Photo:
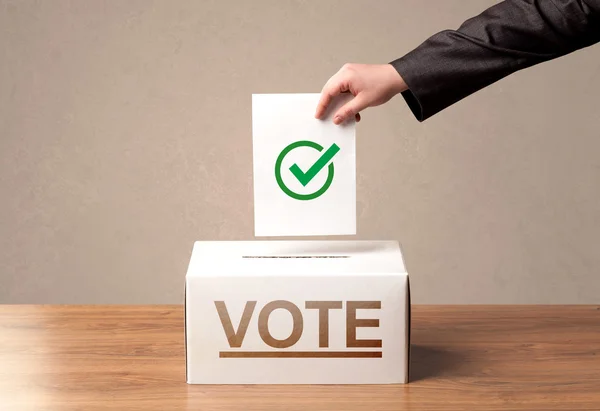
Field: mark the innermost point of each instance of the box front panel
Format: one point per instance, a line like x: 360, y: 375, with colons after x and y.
x: 302, y: 330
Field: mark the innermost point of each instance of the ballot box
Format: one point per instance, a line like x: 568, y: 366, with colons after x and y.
x: 297, y: 312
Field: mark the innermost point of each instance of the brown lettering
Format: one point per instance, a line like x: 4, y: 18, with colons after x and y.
x: 323, y: 307
x: 352, y: 323
x: 235, y: 338
x: 263, y: 324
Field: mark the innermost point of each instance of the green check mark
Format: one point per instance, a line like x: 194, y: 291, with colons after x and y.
x: 305, y: 178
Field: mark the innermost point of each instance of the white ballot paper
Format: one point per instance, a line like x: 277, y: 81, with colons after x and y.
x: 304, y: 168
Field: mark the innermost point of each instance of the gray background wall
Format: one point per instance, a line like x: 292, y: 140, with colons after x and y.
x: 126, y: 135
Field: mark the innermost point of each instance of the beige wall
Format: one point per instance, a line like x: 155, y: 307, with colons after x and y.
x: 126, y: 135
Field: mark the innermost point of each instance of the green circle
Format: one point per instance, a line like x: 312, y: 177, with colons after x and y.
x: 302, y: 143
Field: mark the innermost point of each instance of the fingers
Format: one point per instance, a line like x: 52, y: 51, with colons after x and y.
x: 340, y: 83
x: 331, y: 89
x: 351, y: 109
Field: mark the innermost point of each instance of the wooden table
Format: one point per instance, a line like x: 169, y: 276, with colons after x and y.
x: 463, y: 358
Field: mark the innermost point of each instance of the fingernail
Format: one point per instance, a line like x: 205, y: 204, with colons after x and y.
x: 337, y: 119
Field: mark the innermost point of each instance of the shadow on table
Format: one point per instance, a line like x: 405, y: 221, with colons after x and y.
x: 428, y: 362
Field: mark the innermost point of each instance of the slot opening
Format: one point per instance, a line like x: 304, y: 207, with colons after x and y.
x: 295, y: 256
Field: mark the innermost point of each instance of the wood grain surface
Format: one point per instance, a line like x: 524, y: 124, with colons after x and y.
x: 463, y: 358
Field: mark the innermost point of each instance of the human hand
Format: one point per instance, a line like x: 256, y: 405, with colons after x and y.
x: 370, y: 84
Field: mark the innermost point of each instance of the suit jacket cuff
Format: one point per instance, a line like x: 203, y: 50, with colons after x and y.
x: 418, y: 96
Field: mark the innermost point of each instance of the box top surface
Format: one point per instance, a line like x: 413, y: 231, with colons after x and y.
x: 210, y: 258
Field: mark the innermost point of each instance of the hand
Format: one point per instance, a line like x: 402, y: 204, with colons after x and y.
x: 370, y: 84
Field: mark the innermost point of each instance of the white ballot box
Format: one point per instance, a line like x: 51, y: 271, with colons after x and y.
x: 297, y: 312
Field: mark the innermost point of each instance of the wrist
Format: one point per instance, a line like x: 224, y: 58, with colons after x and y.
x: 396, y: 81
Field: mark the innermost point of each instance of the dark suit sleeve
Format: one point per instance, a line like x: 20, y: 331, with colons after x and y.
x: 509, y: 36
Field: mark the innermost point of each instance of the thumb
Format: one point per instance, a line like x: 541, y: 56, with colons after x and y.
x: 351, y: 108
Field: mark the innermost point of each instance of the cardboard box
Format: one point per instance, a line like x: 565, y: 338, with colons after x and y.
x: 297, y: 312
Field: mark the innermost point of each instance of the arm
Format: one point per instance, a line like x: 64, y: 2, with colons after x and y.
x: 507, y: 37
